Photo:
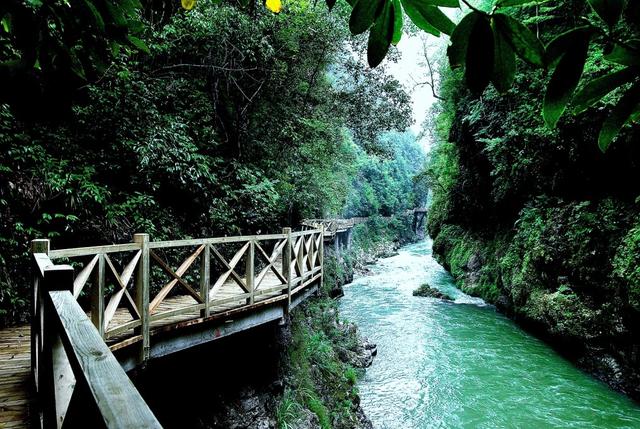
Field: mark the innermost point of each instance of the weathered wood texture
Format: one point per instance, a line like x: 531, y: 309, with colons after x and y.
x: 68, y: 355
x: 16, y: 391
x: 94, y: 366
x: 131, y: 293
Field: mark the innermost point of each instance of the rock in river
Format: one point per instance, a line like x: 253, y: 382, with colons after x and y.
x: 431, y: 292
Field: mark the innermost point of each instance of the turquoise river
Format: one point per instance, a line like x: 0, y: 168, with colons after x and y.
x: 461, y: 364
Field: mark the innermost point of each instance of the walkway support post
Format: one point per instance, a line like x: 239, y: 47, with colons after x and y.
x: 97, y: 296
x: 142, y: 294
x: 52, y: 372
x: 250, y: 271
x: 286, y: 265
x: 321, y: 256
x: 37, y: 311
x: 205, y: 278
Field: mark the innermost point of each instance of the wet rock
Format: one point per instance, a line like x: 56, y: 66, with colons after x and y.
x: 368, y: 345
x: 360, y: 358
x: 336, y: 292
x: 430, y: 292
x: 474, y: 263
x: 363, y: 420
x: 503, y: 303
x: 250, y: 410
x: 283, y: 334
x: 361, y: 352
x: 306, y: 420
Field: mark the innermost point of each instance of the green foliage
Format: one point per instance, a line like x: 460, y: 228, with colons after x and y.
x: 234, y: 123
x: 323, y: 384
x: 627, y: 265
x: 486, y: 44
x: 538, y: 220
x: 287, y: 410
x: 50, y: 48
x: 381, y: 34
x: 384, y: 185
x: 566, y: 75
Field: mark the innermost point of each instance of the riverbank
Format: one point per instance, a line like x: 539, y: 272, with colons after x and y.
x: 326, y: 354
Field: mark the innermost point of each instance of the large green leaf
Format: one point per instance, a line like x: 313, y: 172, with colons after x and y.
x: 508, y: 3
x: 397, y: 25
x: 522, y: 40
x: 564, y: 81
x: 626, y: 55
x: 444, y: 3
x: 598, y: 88
x: 504, y: 62
x: 609, y: 10
x: 562, y: 43
x: 428, y: 17
x: 479, y: 57
x: 381, y: 35
x: 138, y: 44
x: 621, y: 114
x: 363, y: 15
x: 457, y: 51
x: 115, y: 11
x: 97, y: 18
x: 438, y: 19
x: 418, y: 19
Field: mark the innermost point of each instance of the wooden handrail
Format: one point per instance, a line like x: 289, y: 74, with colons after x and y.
x: 94, y: 366
x: 265, y: 274
x: 68, y: 346
x: 68, y: 353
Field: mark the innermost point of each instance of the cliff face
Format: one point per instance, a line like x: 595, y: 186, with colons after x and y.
x: 555, y: 248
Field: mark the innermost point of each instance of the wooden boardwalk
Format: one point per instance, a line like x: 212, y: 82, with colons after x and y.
x: 15, y: 375
x: 140, y: 305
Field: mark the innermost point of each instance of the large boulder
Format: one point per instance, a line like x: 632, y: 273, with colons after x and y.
x: 430, y: 292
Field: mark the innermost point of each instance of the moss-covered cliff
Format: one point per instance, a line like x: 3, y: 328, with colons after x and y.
x: 539, y: 221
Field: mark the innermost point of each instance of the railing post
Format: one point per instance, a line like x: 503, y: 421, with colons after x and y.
x: 37, y: 310
x: 250, y: 271
x: 97, y: 297
x: 321, y: 256
x: 312, y: 251
x: 205, y: 278
x: 55, y: 376
x: 300, y: 257
x: 286, y: 265
x: 142, y: 293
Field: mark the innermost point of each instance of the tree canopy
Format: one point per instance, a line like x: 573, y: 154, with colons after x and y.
x: 486, y: 44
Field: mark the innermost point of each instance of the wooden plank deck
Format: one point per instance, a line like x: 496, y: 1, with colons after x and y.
x: 15, y: 376
x: 227, y: 292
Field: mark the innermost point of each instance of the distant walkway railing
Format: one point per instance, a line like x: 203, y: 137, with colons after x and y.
x: 118, y: 298
x: 333, y: 226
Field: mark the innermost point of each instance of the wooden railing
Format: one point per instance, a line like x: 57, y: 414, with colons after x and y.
x: 74, y: 370
x: 115, y: 296
x: 332, y: 226
x: 232, y: 272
